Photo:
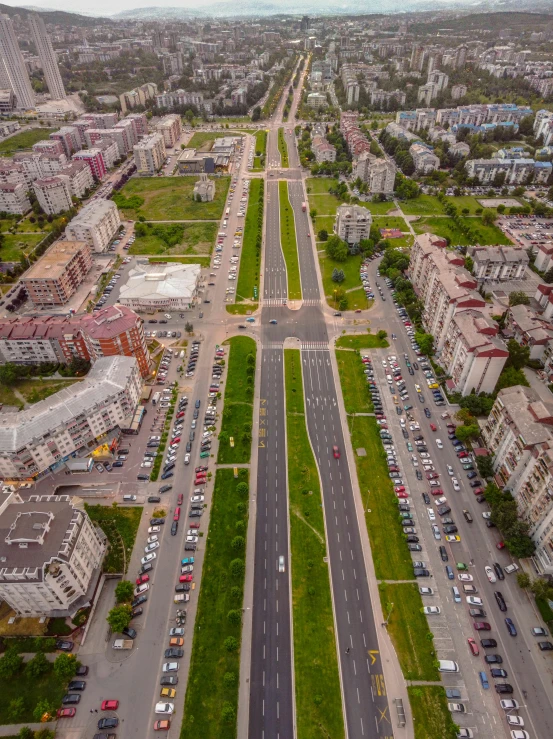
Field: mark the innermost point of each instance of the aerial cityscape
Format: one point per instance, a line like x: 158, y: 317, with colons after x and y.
x: 276, y: 370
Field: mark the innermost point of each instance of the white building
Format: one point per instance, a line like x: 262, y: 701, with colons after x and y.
x: 378, y: 173
x: 497, y: 263
x: 47, y: 57
x: 353, y: 223
x: 13, y: 72
x: 53, y: 194
x: 96, y: 224
x: 50, y: 554
x: 72, y: 422
x: 152, y: 287
x: 458, y: 92
x: 80, y: 178
x: 149, y: 155
x: 204, y: 189
x: 13, y: 198
x: 424, y: 160
x: 316, y: 100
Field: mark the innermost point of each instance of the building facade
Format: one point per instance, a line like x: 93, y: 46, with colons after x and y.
x: 13, y: 198
x: 149, y: 155
x: 47, y: 56
x: 96, y: 224
x: 353, y: 223
x: 53, y: 194
x: 56, y: 276
x: 13, y: 72
x: 170, y: 128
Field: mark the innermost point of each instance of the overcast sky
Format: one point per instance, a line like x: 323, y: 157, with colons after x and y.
x: 96, y: 7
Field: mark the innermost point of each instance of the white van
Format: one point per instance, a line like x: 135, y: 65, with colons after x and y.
x: 447, y: 665
x: 129, y: 498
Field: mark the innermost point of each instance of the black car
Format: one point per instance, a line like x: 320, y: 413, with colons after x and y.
x: 418, y: 473
x: 108, y: 723
x: 443, y: 554
x: 414, y: 547
x: 143, y: 478
x: 165, y: 488
x: 426, y: 498
x: 64, y: 645
x: 443, y: 509
x: 450, y: 529
x: 130, y: 633
x: 421, y: 572
x: 71, y: 699
x: 137, y: 612
x: 169, y: 680
x: 452, y: 693
x: 498, y: 672
x: 154, y: 499
x: 82, y: 670
x: 174, y: 528
x: 545, y: 646
x: 174, y: 652
x: 493, y: 659
x: 157, y: 521
x: 503, y: 688
x: 182, y: 587
x: 498, y: 571
x: 76, y: 685
x: 500, y: 601
x: 139, y: 601
x: 488, y: 643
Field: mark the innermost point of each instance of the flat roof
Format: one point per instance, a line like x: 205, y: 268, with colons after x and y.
x: 53, y: 263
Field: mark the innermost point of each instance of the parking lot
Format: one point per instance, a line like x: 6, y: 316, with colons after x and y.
x: 529, y: 232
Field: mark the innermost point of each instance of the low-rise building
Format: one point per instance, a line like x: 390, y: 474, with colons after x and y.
x: 529, y: 329
x: 149, y: 155
x: 70, y: 423
x: 353, y: 223
x: 511, y: 171
x: 204, y: 189
x: 498, y: 263
x: 56, y: 276
x: 53, y: 194
x: 51, y: 555
x: 170, y: 127
x: 316, y: 100
x: 13, y: 198
x: 96, y: 224
x: 167, y: 286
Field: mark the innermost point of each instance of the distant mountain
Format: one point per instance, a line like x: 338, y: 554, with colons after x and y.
x: 154, y: 13
x: 58, y: 17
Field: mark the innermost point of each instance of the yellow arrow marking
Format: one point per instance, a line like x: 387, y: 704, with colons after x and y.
x: 372, y: 655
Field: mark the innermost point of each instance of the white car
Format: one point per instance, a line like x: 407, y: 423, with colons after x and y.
x: 187, y: 458
x: 474, y: 601
x: 519, y: 734
x: 146, y: 463
x: 431, y: 514
x: 424, y: 455
x: 465, y: 577
x: 165, y: 709
x: 170, y: 667
x: 450, y: 471
x: 509, y: 704
x: 515, y: 720
x: 487, y: 515
x: 431, y: 610
x: 148, y: 558
x: 191, y: 539
x: 154, y: 529
x: 455, y: 484
x: 141, y: 589
x: 426, y: 591
x: 490, y: 574
x: 152, y: 538
x: 151, y: 547
x: 439, y: 444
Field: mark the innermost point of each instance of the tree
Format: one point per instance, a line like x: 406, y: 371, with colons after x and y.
x: 10, y: 663
x: 338, y: 275
x: 517, y: 297
x: 16, y: 709
x: 541, y: 588
x: 189, y: 328
x: 510, y: 377
x: 313, y: 213
x: 43, y: 708
x: 425, y: 342
x: 381, y: 335
x: 25, y: 732
x: 336, y: 249
x: 518, y: 355
x: 119, y: 618
x: 124, y: 591
x: 467, y: 432
x: 323, y: 234
x: 488, y: 217
x: 485, y: 466
x: 469, y: 264
x: 523, y: 580
x: 65, y: 666
x: 38, y: 666
x: 8, y: 374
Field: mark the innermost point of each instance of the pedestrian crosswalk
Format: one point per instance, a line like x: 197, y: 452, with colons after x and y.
x: 312, y: 301
x: 314, y: 345
x: 268, y: 302
x: 273, y: 345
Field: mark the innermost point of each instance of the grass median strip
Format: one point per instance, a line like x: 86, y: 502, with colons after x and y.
x: 431, y: 716
x: 260, y: 150
x: 354, y: 383
x: 211, y: 702
x: 318, y: 698
x: 283, y: 149
x: 235, y: 437
x: 250, y: 259
x: 289, y: 244
x: 362, y: 341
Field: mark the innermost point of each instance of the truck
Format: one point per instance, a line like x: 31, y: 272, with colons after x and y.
x: 304, y: 207
x: 156, y: 398
x: 122, y: 644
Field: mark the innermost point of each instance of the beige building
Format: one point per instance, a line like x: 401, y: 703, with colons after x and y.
x: 170, y: 127
x: 13, y: 198
x: 53, y: 194
x: 378, y: 173
x: 56, y: 276
x: 353, y: 223
x: 96, y: 224
x: 204, y: 189
x: 50, y: 555
x: 149, y: 155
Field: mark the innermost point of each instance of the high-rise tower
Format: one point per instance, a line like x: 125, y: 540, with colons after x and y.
x: 14, y: 67
x: 47, y: 57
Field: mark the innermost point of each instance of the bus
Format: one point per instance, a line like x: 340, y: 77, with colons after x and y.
x: 156, y: 398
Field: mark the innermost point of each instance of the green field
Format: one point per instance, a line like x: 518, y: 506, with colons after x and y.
x: 323, y: 223
x: 283, y: 149
x: 318, y: 699
x: 288, y: 242
x: 197, y: 238
x: 424, y: 205
x: 24, y: 140
x: 380, y: 209
x: 361, y: 341
x: 250, y: 257
x: 203, y: 138
x: 319, y: 185
x: 354, y: 384
x: 447, y: 229
x: 238, y: 408
x: 431, y: 716
x: 15, y: 245
x: 211, y: 700
x: 45, y: 688
x: 391, y: 222
x: 170, y: 199
x: 261, y: 147
x: 351, y: 271
x: 120, y: 525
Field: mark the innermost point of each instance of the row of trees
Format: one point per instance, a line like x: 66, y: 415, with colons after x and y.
x: 505, y: 516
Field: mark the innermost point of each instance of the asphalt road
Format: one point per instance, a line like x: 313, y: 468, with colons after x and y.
x: 275, y: 288
x: 529, y: 670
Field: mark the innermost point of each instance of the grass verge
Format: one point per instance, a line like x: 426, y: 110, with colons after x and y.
x: 318, y: 698
x: 120, y: 526
x: 260, y: 150
x: 24, y: 140
x: 283, y: 149
x: 241, y: 309
x: 238, y: 409
x: 431, y: 716
x: 250, y: 259
x: 408, y: 628
x: 289, y: 244
x: 361, y: 341
x: 350, y: 269
x: 354, y: 384
x: 211, y: 700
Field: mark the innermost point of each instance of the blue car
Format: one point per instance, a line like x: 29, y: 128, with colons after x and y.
x: 511, y: 627
x: 449, y: 572
x: 484, y: 680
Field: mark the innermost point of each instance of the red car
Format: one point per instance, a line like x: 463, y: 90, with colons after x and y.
x: 358, y: 310
x: 180, y: 414
x: 186, y: 578
x: 142, y: 579
x: 111, y: 705
x: 66, y: 712
x: 500, y: 545
x: 201, y: 474
x: 462, y: 455
x: 431, y: 475
x: 336, y: 452
x: 194, y: 525
x: 434, y: 428
x: 473, y: 646
x: 200, y: 469
x: 482, y: 626
x: 402, y: 495
x: 176, y: 441
x: 477, y: 491
x: 179, y: 499
x: 437, y: 491
x: 400, y: 489
x: 176, y: 516
x: 162, y: 725
x: 199, y: 481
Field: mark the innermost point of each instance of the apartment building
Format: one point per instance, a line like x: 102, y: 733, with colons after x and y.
x: 416, y: 120
x: 110, y: 152
x: 13, y: 198
x: 49, y: 146
x: 101, y: 120
x: 112, y: 331
x: 529, y: 329
x: 149, y: 155
x: 316, y: 100
x: 96, y: 136
x: 324, y: 151
x: 39, y: 166
x: 353, y: 223
x: 170, y: 128
x: 384, y: 98
x: 458, y: 92
x: 437, y: 82
x: 80, y: 178
x: 47, y: 56
x: 56, y: 276
x: 53, y: 194
x: 139, y: 123
x: 96, y: 224
x: 513, y: 171
x: 71, y: 422
x: 378, y: 173
x: 138, y: 96
x: 498, y: 263
x: 51, y: 555
x: 12, y: 172
x: 14, y: 72
x: 94, y: 158
x: 178, y: 98
x: 70, y: 139
x: 423, y: 158
x: 132, y: 127
x: 519, y: 433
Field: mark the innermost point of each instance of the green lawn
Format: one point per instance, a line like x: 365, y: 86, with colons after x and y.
x: 202, y: 261
x: 120, y: 525
x: 324, y: 223
x: 354, y: 384
x: 211, y: 700
x: 36, y: 390
x: 392, y: 560
x: 241, y: 309
x: 202, y: 138
x: 431, y: 716
x: 408, y: 629
x: 325, y: 204
x: 319, y: 185
x: 197, y: 238
x: 423, y: 205
x: 391, y: 222
x: 261, y: 147
x: 8, y: 397
x: 14, y: 245
x: 289, y: 244
x: 170, y: 199
x: 379, y: 209
x: 361, y: 341
x: 45, y: 688
x: 283, y: 149
x: 465, y: 201
x: 447, y: 228
x: 250, y: 257
x: 238, y: 408
x: 24, y: 140
x: 358, y: 299
x: 318, y: 698
x: 351, y: 271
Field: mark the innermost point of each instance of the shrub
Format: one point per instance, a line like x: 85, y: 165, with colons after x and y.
x: 234, y: 617
x: 236, y: 569
x: 231, y: 644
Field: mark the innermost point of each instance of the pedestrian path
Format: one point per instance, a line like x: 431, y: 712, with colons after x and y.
x: 14, y: 729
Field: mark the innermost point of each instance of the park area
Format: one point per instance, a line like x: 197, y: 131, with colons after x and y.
x: 174, y: 238
x: 24, y: 140
x: 169, y: 199
x: 485, y: 235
